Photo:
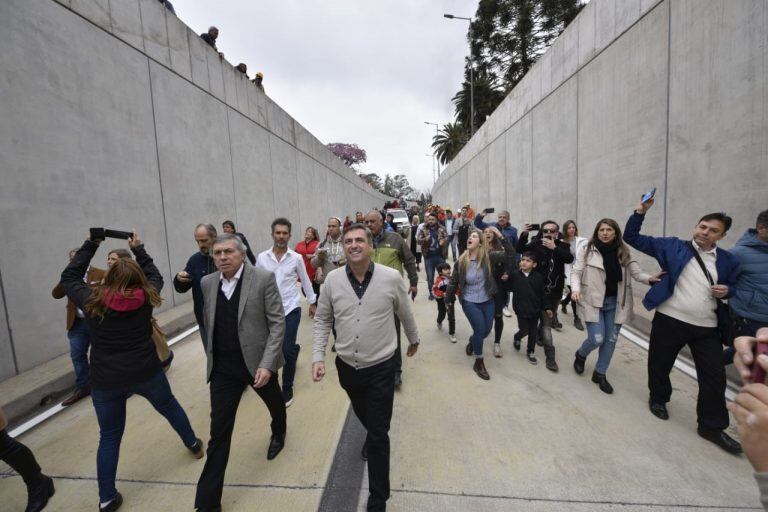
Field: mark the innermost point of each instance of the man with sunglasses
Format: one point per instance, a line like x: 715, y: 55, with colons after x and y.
x: 551, y: 256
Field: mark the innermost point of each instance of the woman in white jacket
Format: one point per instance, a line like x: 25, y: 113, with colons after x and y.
x: 571, y: 236
x: 601, y: 288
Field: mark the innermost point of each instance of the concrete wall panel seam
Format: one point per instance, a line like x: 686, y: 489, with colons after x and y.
x: 8, y: 324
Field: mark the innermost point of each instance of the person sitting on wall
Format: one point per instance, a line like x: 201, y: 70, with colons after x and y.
x: 210, y: 38
x: 258, y: 81
x: 242, y: 68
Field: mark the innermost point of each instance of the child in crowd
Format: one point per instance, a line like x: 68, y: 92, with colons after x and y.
x: 438, y: 290
x: 527, y: 289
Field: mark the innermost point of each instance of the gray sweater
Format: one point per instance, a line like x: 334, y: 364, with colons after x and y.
x: 365, y: 327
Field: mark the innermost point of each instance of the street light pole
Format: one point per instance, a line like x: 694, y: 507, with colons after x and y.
x: 434, y: 180
x: 471, y: 74
x: 437, y: 132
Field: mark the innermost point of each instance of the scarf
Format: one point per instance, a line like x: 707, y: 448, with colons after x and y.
x: 611, y: 264
x: 119, y: 302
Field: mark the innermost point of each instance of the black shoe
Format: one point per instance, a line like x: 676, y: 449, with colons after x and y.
x: 516, y: 344
x: 564, y: 308
x: 276, y: 443
x: 197, y: 449
x: 721, y: 439
x: 398, y: 379
x: 578, y: 363
x: 364, y: 451
x: 431, y: 297
x: 113, y: 505
x: 288, y: 396
x: 556, y: 325
x: 217, y: 508
x: 601, y: 381
x: 469, y: 350
x: 165, y: 365
x: 658, y: 410
x: 39, y: 493
x: 577, y: 324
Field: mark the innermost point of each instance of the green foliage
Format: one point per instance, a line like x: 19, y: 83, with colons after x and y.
x: 449, y: 141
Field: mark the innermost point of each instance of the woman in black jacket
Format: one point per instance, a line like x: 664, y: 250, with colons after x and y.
x: 123, y: 360
x: 503, y: 253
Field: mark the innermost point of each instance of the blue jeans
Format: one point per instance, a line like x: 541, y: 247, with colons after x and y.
x: 79, y: 341
x: 430, y: 263
x: 110, y: 412
x: 602, y: 335
x: 290, y: 347
x: 480, y: 316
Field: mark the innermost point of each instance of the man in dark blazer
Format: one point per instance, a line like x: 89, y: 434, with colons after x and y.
x: 244, y: 321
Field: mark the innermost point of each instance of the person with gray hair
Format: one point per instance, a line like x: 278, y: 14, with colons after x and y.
x: 210, y: 36
x: 198, y: 266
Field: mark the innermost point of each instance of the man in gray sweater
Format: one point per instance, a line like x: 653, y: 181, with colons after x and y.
x: 362, y: 297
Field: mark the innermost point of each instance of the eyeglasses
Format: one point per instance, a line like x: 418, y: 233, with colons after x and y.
x: 549, y: 231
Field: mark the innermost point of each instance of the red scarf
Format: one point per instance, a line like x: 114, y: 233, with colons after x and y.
x: 119, y: 302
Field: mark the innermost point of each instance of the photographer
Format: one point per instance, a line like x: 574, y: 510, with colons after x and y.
x: 551, y: 256
x: 118, y: 315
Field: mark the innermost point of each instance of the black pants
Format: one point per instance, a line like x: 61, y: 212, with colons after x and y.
x: 499, y: 303
x: 398, y: 354
x: 19, y: 457
x: 226, y: 390
x: 372, y: 391
x: 528, y: 327
x: 444, y: 310
x: 668, y: 337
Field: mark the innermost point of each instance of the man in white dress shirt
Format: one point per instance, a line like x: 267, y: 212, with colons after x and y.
x: 288, y: 267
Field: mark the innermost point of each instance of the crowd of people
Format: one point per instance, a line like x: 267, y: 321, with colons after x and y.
x: 248, y: 309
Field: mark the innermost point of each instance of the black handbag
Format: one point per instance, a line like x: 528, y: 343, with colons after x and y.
x: 726, y: 320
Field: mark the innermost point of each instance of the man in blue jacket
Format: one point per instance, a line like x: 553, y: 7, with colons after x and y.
x: 750, y: 300
x: 198, y: 266
x: 685, y: 315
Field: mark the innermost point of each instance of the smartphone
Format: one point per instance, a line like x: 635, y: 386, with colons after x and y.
x: 648, y: 195
x: 490, y: 210
x: 758, y: 374
x: 534, y: 227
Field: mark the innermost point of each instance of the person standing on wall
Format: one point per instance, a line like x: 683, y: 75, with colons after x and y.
x: 685, y: 304
x: 601, y: 288
x: 124, y: 362
x: 229, y: 227
x: 390, y: 250
x: 198, y: 266
x: 78, y: 334
x: 572, y: 238
x: 245, y: 320
x: 366, y: 350
x: 289, y: 269
x: 306, y: 249
x: 551, y: 256
x: 433, y: 240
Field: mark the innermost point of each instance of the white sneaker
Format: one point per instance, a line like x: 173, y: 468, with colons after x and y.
x: 507, y: 312
x: 497, y: 349
x: 452, y: 338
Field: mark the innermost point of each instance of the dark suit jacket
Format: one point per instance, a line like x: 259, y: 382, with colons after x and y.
x: 260, y: 317
x: 95, y: 276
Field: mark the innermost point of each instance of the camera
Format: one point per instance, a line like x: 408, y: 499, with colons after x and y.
x: 99, y: 234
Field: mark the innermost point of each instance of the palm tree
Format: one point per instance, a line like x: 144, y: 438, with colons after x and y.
x: 449, y: 141
x: 488, y: 96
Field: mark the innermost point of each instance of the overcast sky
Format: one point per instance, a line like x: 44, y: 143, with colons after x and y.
x: 353, y: 71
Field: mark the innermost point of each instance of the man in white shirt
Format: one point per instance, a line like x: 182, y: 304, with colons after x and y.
x: 288, y: 267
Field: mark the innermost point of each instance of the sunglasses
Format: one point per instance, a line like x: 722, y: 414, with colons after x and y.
x: 549, y: 231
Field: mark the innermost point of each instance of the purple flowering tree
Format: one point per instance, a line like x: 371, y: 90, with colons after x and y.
x: 350, y: 154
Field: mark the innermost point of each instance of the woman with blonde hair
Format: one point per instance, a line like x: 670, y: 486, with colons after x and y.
x: 473, y: 274
x: 118, y: 314
x: 601, y: 288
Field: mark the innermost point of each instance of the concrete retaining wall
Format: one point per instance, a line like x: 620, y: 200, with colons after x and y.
x: 634, y: 94
x: 116, y: 114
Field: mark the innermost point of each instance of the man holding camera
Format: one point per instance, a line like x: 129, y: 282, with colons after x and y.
x: 198, y: 266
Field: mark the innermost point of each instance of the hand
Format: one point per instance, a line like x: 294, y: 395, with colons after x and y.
x: 496, y: 231
x: 312, y: 310
x: 751, y: 412
x: 134, y: 241
x: 576, y: 297
x: 412, y: 348
x: 548, y: 243
x: 504, y: 276
x: 262, y: 377
x: 549, y: 313
x: 719, y: 290
x: 744, y: 356
x: 644, y: 207
x: 414, y: 290
x: 318, y: 371
x: 526, y: 228
x: 655, y: 278
x: 183, y: 277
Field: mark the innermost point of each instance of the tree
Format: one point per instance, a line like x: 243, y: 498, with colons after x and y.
x: 449, y: 141
x: 350, y: 154
x: 487, y: 96
x: 508, y: 36
x: 397, y: 186
x: 372, y: 179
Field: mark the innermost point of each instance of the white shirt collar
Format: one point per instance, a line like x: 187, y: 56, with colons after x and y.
x: 698, y: 248
x: 235, y: 277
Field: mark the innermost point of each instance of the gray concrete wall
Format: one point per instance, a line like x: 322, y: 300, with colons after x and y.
x: 634, y: 94
x: 117, y: 114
